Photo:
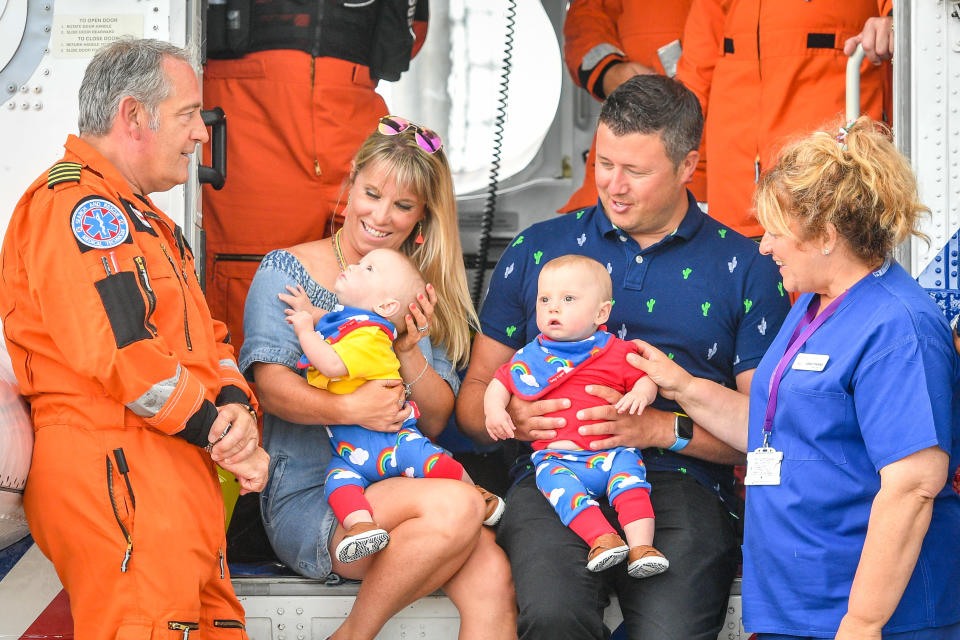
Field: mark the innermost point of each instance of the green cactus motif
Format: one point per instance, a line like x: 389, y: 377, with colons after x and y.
x: 519, y: 240
x: 511, y: 330
x: 722, y: 232
x: 650, y: 304
x: 612, y: 302
x: 580, y: 213
x: 747, y: 305
x: 705, y: 307
x: 536, y: 256
x: 686, y: 272
x: 780, y: 288
x: 670, y: 355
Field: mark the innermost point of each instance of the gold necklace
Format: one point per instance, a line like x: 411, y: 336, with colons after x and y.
x: 336, y: 250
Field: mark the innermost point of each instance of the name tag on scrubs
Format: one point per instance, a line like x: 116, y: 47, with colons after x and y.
x: 810, y: 362
x: 763, y: 467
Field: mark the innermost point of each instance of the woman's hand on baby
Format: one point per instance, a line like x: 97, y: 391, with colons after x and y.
x: 417, y: 320
x: 670, y: 377
x: 377, y: 405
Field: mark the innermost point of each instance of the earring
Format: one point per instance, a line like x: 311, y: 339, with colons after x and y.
x: 826, y: 252
x: 419, y: 239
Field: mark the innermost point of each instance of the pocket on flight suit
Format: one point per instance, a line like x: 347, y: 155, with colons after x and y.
x: 134, y: 631
x: 122, y: 500
x: 125, y: 307
x: 227, y: 288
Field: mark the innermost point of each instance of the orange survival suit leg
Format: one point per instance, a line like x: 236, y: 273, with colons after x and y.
x: 81, y: 513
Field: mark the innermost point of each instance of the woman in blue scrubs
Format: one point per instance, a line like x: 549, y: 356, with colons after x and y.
x: 853, y: 428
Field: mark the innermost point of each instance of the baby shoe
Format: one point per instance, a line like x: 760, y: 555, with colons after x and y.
x: 362, y: 539
x: 645, y: 561
x: 607, y: 550
x: 494, y: 505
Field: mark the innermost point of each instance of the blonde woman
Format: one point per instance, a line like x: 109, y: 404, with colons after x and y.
x: 852, y: 426
x: 399, y: 196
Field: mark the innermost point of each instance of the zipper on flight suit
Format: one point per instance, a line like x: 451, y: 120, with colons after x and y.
x: 313, y: 75
x: 756, y: 160
x: 116, y: 514
x: 228, y: 624
x: 183, y: 295
x: 181, y: 276
x: 185, y: 627
x: 151, y: 296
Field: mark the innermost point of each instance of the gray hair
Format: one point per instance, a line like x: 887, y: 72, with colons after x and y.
x: 126, y: 67
x: 656, y: 104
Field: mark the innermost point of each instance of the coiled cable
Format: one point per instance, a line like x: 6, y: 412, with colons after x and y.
x: 489, y: 207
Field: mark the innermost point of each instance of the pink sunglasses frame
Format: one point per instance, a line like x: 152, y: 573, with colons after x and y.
x: 395, y: 125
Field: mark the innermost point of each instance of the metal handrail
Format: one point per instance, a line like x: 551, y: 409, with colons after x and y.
x: 853, y: 83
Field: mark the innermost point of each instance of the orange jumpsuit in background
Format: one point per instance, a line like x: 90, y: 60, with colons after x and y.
x: 115, y: 350
x: 294, y: 123
x: 766, y: 71
x: 599, y: 33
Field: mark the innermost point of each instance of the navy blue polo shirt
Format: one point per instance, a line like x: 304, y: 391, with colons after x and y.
x: 704, y: 295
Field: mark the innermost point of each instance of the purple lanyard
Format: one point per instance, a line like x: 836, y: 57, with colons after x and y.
x: 804, y: 330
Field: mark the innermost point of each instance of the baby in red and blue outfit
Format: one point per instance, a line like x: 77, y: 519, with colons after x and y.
x: 574, y: 350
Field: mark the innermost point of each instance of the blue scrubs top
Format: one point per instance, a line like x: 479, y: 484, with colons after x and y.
x: 888, y: 390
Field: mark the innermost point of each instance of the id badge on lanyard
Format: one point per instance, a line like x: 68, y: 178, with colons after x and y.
x: 763, y: 466
x: 763, y: 463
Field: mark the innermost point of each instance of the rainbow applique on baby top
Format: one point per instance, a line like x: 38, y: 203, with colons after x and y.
x: 544, y: 364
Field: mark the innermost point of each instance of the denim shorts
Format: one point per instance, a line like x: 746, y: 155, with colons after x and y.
x: 296, y: 517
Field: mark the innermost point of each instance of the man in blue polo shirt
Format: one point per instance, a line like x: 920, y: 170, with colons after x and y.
x: 694, y: 288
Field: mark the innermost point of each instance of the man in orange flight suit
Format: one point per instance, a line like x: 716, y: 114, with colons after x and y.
x: 298, y: 90
x: 131, y: 385
x: 609, y: 41
x: 765, y: 71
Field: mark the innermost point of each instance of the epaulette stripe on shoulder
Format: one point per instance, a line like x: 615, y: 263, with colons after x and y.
x: 63, y: 172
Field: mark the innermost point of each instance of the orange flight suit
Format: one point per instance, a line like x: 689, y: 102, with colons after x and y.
x: 599, y: 33
x: 766, y: 71
x: 294, y: 123
x: 115, y: 350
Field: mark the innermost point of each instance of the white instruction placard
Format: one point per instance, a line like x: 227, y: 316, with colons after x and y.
x: 82, y: 36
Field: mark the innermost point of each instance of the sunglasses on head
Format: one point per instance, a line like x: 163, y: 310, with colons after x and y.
x: 426, y: 139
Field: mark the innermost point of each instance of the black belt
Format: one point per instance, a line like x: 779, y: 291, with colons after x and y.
x: 814, y: 41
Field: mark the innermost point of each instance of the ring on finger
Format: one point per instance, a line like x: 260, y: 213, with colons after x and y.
x: 423, y: 328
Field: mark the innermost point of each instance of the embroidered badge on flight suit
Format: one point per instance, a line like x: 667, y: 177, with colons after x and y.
x: 97, y: 223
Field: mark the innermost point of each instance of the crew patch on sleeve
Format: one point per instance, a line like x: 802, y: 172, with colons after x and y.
x: 97, y: 223
x: 63, y: 172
